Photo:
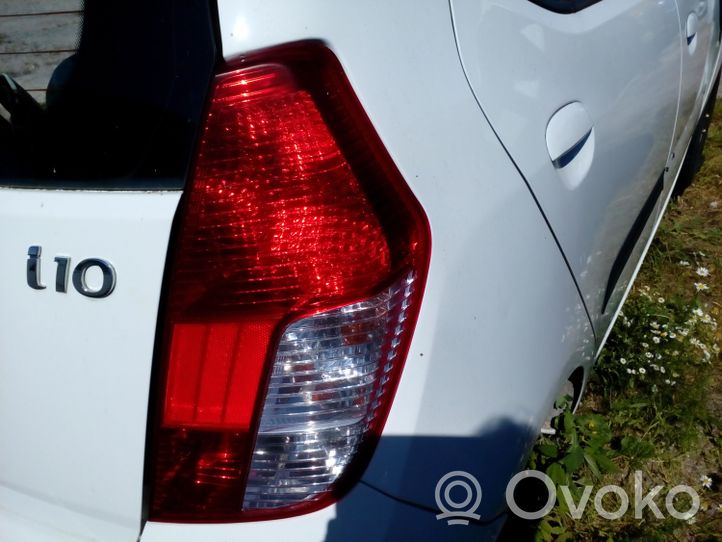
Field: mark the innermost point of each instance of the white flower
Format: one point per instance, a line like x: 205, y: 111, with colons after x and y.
x: 622, y: 361
x: 642, y: 370
x: 660, y: 300
x: 672, y: 335
x: 706, y: 481
x: 662, y: 370
x: 658, y: 356
x: 645, y: 345
x: 667, y: 381
x: 655, y: 340
x: 684, y: 263
x: 700, y: 286
x: 654, y: 388
x: 702, y: 272
x: 675, y: 375
x: 649, y: 355
x: 683, y: 331
x: 697, y: 312
x: 654, y: 325
x: 629, y: 371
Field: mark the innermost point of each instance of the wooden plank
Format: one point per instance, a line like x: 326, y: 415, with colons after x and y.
x: 39, y: 33
x: 33, y: 72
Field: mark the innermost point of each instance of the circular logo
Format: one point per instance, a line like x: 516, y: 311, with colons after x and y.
x: 458, y: 511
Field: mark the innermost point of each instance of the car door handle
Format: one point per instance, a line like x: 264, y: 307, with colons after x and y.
x: 570, y: 154
x: 692, y: 24
x: 568, y: 131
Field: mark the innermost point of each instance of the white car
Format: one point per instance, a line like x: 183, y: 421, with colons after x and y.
x: 271, y: 270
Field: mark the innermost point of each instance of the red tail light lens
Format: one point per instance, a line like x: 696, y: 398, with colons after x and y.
x: 295, y: 282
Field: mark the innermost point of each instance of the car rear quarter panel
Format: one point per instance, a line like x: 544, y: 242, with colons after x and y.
x: 502, y: 325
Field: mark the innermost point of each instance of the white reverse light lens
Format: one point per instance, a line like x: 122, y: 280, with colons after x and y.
x: 329, y: 373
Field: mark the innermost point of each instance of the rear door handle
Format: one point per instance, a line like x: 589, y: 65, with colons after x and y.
x: 565, y: 158
x: 568, y: 131
x: 692, y: 24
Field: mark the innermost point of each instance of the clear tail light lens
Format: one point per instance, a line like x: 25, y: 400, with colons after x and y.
x: 327, y: 383
x: 294, y: 285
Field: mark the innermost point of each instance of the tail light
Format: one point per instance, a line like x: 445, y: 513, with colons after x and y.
x: 294, y: 284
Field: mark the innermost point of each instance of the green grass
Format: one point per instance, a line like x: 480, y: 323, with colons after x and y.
x: 655, y: 399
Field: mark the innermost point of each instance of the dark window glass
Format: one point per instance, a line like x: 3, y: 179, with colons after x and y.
x: 102, y: 94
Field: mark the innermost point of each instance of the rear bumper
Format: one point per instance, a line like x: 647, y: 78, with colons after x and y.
x: 39, y: 520
x: 364, y: 514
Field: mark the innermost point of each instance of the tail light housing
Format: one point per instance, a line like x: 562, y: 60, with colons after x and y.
x: 294, y: 283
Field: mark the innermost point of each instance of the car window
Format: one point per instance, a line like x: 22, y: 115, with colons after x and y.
x: 102, y: 93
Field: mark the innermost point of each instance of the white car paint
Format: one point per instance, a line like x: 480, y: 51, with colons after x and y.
x: 699, y: 60
x: 75, y: 371
x: 502, y: 326
x: 599, y: 58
